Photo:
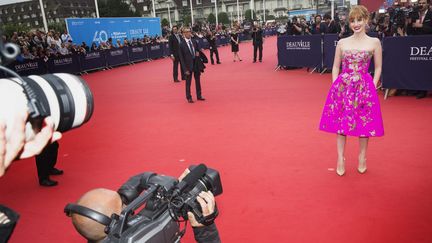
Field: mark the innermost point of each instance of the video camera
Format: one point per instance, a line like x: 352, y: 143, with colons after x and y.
x: 166, y: 203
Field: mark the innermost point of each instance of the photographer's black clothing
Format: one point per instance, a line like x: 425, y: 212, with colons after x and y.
x: 207, y: 234
x: 257, y: 41
x: 213, y: 48
x: 6, y: 230
x: 46, y: 161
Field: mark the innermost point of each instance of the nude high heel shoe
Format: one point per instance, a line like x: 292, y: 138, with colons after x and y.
x: 339, y: 171
x: 362, y: 168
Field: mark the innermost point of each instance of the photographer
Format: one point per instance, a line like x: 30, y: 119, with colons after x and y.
x: 257, y: 41
x: 108, y: 202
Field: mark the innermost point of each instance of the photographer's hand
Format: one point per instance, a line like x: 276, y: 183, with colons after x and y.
x: 15, y: 146
x: 207, y: 202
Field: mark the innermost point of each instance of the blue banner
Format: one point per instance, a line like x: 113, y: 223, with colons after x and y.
x: 29, y: 67
x: 64, y: 64
x: 222, y: 40
x: 91, y: 30
x: 117, y: 56
x: 300, y: 51
x: 137, y: 53
x: 92, y: 61
x: 407, y: 62
x: 329, y: 48
x: 155, y: 51
x: 166, y: 50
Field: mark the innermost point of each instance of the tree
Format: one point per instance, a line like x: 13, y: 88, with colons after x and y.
x: 223, y: 18
x: 270, y: 17
x: 186, y: 17
x: 57, y: 27
x: 116, y: 8
x: 164, y: 22
x: 187, y: 20
x: 248, y: 14
x: 10, y: 28
x: 211, y: 18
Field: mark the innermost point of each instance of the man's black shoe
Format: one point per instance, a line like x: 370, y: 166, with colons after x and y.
x: 56, y: 171
x: 190, y: 101
x: 218, y: 62
x: 254, y: 61
x: 176, y: 81
x: 48, y: 182
x: 260, y: 60
x: 201, y: 98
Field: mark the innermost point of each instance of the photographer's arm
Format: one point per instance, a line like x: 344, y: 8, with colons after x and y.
x: 205, y: 234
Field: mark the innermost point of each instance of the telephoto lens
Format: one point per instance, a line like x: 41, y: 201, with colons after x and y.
x: 65, y: 97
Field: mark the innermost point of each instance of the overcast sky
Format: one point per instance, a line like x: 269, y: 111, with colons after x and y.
x: 5, y: 2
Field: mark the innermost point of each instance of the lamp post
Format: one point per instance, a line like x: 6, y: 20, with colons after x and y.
x: 216, y: 11
x: 154, y: 10
x: 43, y: 16
x: 264, y: 9
x: 238, y: 12
x: 169, y: 13
x: 192, y: 20
x: 97, y: 9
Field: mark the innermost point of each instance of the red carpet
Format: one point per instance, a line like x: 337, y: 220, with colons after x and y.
x: 260, y: 129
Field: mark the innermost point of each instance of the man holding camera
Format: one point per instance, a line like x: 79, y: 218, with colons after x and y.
x: 109, y: 202
x: 257, y: 41
x: 211, y: 38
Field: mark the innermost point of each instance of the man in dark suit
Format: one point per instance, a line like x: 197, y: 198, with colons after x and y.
x: 174, y: 42
x: 257, y: 41
x: 421, y: 24
x: 191, y: 64
x: 211, y: 38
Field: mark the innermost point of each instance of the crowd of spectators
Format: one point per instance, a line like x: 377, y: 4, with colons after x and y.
x: 401, y: 19
x: 38, y: 44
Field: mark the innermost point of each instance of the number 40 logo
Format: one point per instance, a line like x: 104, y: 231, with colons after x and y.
x: 100, y: 36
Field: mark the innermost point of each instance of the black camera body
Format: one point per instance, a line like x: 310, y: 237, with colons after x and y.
x: 164, y: 202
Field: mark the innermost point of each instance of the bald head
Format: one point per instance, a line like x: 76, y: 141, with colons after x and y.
x: 101, y: 200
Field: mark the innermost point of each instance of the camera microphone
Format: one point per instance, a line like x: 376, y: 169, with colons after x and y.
x: 192, y: 178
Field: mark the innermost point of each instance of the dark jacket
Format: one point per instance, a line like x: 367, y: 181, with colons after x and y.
x: 174, y: 44
x: 427, y: 24
x: 187, y: 60
x: 322, y: 28
x: 257, y: 37
x: 212, y: 41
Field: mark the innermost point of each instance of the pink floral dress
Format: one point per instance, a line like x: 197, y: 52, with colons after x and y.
x: 352, y: 107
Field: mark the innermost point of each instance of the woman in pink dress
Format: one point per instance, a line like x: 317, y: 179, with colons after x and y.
x: 352, y: 106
